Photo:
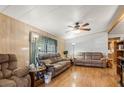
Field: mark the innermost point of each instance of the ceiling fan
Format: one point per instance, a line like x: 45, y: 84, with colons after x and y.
x: 79, y: 27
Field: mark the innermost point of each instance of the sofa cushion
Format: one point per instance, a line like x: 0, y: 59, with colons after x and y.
x: 4, y: 58
x: 88, y: 56
x: 7, y: 83
x: 12, y: 65
x: 96, y: 61
x: 7, y: 73
x: 80, y: 57
x: 79, y: 60
x: 67, y: 61
x: 20, y: 82
x: 83, y: 55
x: 79, y: 54
x: 97, y: 53
x: 63, y: 63
x: 4, y: 66
x: 21, y: 72
x: 58, y: 55
x: 47, y: 61
x: 59, y: 59
x: 12, y: 57
x: 1, y: 74
x: 96, y: 57
x: 54, y: 59
x: 57, y: 66
x: 87, y: 61
x: 43, y: 56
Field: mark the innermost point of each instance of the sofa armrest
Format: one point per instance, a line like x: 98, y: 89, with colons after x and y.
x: 66, y: 59
x: 21, y: 72
x: 50, y: 68
x: 75, y: 59
x: 104, y: 60
x: 49, y: 65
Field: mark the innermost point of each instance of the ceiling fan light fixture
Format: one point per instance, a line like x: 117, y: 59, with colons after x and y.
x: 79, y: 27
x: 77, y: 31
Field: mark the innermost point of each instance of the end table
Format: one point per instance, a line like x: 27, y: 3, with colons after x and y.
x: 72, y: 61
x: 37, y: 76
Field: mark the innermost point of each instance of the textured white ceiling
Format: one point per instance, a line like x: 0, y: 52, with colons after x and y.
x: 119, y: 28
x: 55, y: 19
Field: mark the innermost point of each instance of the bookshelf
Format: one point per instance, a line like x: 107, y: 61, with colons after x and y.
x: 119, y: 55
x: 116, y: 53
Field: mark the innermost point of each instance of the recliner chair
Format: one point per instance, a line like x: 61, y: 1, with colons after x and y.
x: 10, y: 76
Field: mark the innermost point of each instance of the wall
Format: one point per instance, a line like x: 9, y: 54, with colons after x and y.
x: 14, y: 38
x: 89, y: 43
x: 113, y: 35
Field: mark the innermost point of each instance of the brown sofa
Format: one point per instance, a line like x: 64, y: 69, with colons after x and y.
x: 95, y: 59
x: 10, y: 76
x: 54, y: 63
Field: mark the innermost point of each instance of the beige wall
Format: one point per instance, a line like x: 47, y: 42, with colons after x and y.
x: 97, y: 42
x: 14, y: 38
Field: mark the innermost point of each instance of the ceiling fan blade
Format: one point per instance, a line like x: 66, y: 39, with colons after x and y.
x: 71, y: 26
x: 86, y: 29
x: 86, y: 24
x: 68, y: 31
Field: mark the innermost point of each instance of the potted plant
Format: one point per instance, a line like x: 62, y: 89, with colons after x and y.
x: 65, y: 53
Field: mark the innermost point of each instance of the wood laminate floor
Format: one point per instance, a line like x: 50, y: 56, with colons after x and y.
x: 79, y: 76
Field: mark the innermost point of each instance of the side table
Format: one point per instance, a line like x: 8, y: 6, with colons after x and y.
x: 37, y: 76
x: 72, y: 61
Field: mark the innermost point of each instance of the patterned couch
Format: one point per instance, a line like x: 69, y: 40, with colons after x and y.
x: 54, y: 63
x: 10, y: 76
x: 95, y: 59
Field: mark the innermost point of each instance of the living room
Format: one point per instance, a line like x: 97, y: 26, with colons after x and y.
x: 61, y: 45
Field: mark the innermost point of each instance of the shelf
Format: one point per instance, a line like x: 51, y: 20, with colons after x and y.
x: 121, y: 58
x: 120, y: 42
x: 121, y: 50
x: 119, y: 54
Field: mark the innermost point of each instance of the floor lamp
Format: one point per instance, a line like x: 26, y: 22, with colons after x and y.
x: 73, y: 48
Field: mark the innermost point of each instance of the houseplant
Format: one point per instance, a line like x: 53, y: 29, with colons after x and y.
x: 65, y: 53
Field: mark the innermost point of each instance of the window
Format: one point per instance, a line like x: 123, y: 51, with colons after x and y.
x: 47, y: 45
x: 41, y: 45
